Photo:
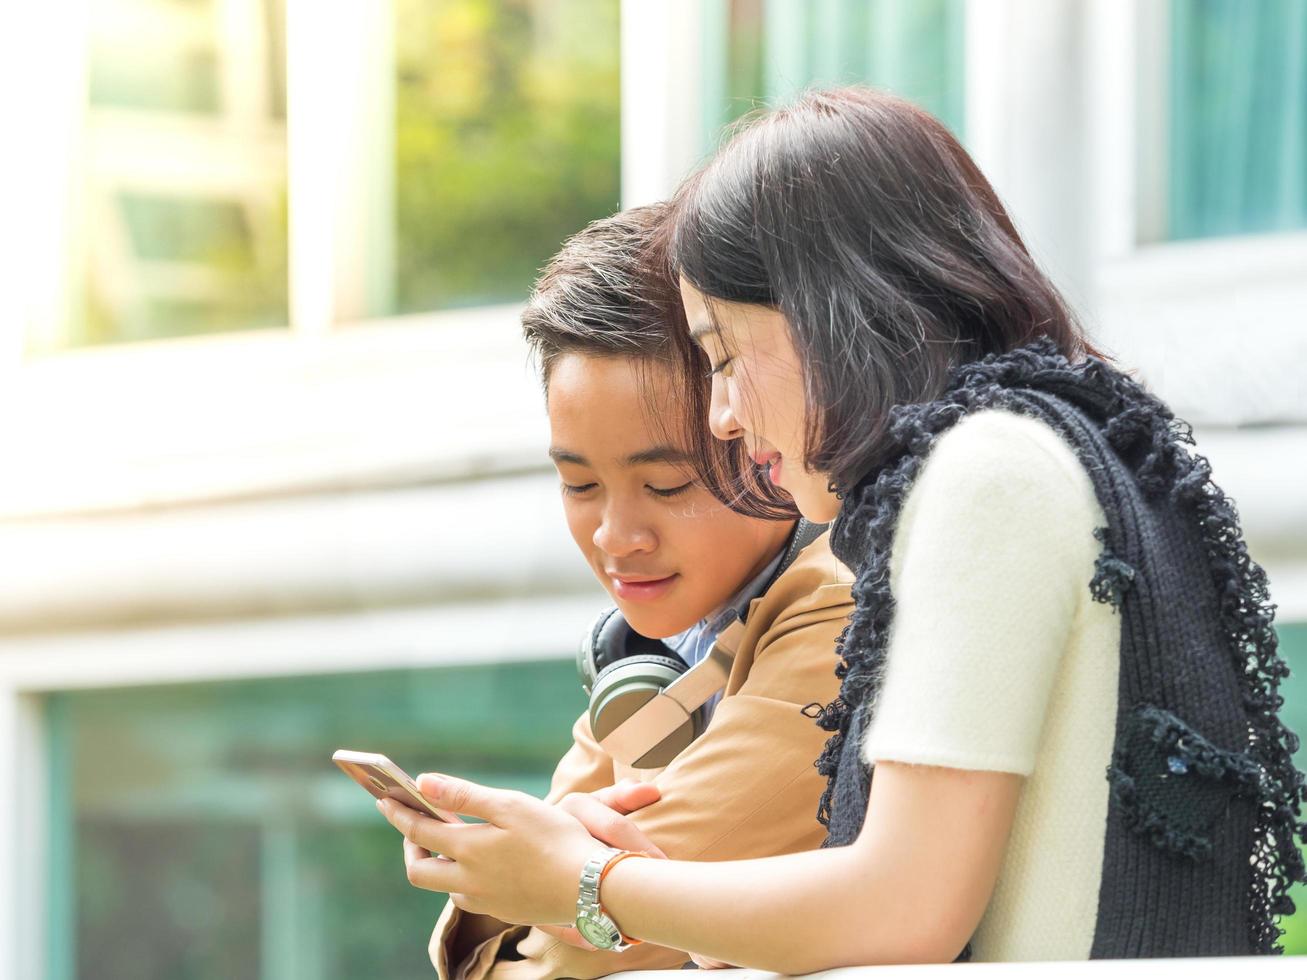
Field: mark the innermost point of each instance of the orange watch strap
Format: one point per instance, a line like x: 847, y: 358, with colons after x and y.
x: 613, y: 862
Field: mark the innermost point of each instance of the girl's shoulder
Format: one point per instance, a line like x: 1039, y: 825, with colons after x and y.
x: 999, y: 446
x: 998, y: 475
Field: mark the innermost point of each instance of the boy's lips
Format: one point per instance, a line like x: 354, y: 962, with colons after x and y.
x: 641, y: 588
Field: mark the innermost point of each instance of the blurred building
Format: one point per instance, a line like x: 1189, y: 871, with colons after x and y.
x: 274, y: 472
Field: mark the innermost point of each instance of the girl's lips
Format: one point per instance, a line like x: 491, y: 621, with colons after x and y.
x: 771, y: 461
x: 643, y: 591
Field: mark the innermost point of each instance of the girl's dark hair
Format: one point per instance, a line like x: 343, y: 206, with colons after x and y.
x: 607, y: 293
x: 862, y: 220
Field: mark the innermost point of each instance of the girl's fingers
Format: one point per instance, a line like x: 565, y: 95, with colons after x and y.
x: 567, y: 934
x: 628, y: 795
x: 608, y: 825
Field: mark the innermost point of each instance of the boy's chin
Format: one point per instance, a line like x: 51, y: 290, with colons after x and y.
x: 654, y: 624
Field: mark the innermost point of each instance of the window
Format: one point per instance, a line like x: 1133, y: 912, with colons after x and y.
x: 1293, y: 647
x: 182, y: 224
x: 1238, y: 117
x: 209, y: 818
x: 411, y: 156
x: 771, y: 49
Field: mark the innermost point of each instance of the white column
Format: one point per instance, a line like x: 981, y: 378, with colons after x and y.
x: 43, y: 85
x: 1114, y: 122
x: 24, y: 847
x: 1027, y: 126
x: 661, y: 97
x: 340, y: 84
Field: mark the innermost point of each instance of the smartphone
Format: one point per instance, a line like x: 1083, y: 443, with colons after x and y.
x: 386, y: 781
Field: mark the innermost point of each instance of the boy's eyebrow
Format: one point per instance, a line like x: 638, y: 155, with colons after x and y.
x: 658, y: 454
x: 567, y: 456
x: 654, y: 454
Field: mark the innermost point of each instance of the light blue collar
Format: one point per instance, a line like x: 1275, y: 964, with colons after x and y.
x: 693, y: 645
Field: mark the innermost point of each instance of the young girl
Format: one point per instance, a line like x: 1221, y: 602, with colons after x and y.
x: 1049, y: 587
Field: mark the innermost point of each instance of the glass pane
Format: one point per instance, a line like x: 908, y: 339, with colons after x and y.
x: 183, y: 201
x: 206, y: 833
x: 762, y: 52
x: 1238, y: 117
x: 506, y: 141
x: 1293, y: 646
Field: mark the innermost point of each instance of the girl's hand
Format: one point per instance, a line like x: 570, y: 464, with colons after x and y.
x: 522, y: 865
x: 604, y: 811
x: 603, y: 814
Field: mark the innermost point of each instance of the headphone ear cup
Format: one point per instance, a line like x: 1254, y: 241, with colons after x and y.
x: 603, y: 643
x: 622, y: 688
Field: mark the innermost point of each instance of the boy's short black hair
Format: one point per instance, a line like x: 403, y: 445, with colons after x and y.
x: 609, y: 293
x: 605, y: 294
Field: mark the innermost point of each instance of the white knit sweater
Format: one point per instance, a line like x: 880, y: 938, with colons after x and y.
x: 1000, y: 660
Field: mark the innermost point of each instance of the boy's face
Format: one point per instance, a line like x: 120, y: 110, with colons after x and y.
x: 665, y: 549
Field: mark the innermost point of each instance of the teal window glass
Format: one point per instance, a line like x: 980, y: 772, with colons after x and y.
x: 507, y: 141
x: 1238, y: 110
x: 1293, y: 646
x: 763, y: 52
x: 201, y: 830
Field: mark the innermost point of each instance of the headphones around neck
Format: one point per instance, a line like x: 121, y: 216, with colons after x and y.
x: 622, y: 672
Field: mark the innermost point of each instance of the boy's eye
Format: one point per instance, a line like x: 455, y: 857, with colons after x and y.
x: 576, y: 489
x: 671, y: 491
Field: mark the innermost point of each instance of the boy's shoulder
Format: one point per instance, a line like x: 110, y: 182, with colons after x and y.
x: 816, y: 579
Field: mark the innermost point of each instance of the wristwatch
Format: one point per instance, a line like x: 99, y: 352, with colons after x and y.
x: 592, y: 922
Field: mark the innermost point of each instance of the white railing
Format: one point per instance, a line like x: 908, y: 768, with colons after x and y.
x: 1207, y: 968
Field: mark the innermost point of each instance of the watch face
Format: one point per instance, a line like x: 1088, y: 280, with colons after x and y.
x: 597, y: 932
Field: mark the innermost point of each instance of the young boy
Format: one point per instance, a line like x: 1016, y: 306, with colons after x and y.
x: 680, y: 566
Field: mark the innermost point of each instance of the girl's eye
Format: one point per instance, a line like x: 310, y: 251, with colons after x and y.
x: 575, y: 490
x: 725, y: 368
x: 671, y: 491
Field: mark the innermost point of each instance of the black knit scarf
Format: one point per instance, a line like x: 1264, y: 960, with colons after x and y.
x: 1203, y: 817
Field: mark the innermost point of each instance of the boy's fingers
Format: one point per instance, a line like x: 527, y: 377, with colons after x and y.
x: 414, y: 852
x: 468, y: 798
x: 433, y: 835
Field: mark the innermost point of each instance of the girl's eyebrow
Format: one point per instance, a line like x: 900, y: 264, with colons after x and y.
x: 701, y: 330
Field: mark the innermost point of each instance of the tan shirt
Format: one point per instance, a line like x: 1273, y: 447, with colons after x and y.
x: 999, y: 659
x: 746, y: 788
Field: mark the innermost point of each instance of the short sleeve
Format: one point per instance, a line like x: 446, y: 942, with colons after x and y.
x: 991, y: 559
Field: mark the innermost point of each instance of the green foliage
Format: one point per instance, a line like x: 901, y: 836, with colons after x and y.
x: 507, y: 141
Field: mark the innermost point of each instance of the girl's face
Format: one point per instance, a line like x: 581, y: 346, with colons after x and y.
x: 665, y: 549
x: 758, y: 394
